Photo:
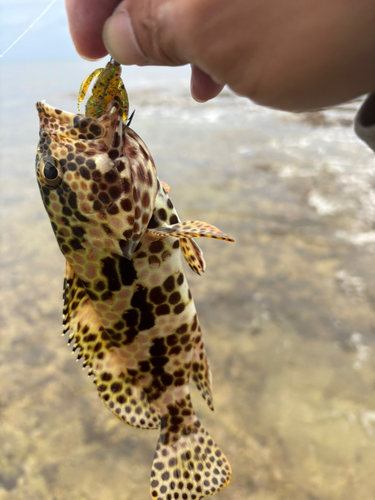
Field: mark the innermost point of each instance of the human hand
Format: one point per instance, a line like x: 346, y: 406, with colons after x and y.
x: 291, y: 54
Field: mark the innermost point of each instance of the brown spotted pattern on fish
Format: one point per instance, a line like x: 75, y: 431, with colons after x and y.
x: 127, y: 305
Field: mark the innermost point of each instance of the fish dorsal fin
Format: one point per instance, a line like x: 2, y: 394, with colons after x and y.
x: 190, y: 229
x: 121, y: 395
x: 79, y: 317
x: 118, y: 391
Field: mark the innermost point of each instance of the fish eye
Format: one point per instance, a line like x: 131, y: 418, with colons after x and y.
x: 50, y: 171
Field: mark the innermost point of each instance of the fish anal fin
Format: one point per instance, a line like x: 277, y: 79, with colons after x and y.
x: 200, y: 371
x: 194, y: 464
x: 166, y: 187
x: 190, y: 229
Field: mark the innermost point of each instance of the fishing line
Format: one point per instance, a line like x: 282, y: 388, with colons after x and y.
x: 29, y: 28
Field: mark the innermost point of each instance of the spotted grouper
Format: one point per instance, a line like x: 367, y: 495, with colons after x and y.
x: 127, y: 304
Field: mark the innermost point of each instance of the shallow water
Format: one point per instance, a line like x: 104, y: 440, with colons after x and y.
x: 287, y: 311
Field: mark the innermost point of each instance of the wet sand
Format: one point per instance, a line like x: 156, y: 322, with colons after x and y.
x: 287, y: 311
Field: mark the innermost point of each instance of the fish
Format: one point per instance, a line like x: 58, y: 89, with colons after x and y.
x: 127, y: 306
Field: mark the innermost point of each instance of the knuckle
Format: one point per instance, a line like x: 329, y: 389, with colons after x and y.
x: 154, y: 32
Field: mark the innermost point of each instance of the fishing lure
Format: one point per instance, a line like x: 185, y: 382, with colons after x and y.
x: 127, y: 304
x: 107, y: 85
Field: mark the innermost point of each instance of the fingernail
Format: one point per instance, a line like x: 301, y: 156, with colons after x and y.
x: 193, y: 89
x: 202, y: 86
x: 90, y: 59
x: 196, y: 99
x: 120, y: 41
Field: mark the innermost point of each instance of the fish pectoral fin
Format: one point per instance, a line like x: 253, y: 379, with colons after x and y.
x: 190, y: 229
x: 193, y: 463
x: 125, y: 399
x: 190, y: 250
x: 166, y: 187
x: 186, y: 231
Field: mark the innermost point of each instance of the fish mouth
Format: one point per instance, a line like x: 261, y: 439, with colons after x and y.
x: 51, y: 118
x: 66, y: 135
x: 83, y: 132
x: 86, y: 131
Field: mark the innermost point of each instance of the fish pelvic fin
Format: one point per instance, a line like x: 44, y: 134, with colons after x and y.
x: 193, y: 255
x: 190, y: 250
x: 191, y: 465
x: 186, y: 231
x: 190, y: 229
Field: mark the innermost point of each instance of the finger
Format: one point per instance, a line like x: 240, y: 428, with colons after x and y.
x: 146, y: 32
x: 86, y: 19
x: 202, y: 86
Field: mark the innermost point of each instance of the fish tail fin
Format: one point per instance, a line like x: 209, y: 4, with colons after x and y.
x: 189, y: 464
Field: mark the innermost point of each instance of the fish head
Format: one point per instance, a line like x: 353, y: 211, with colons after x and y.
x: 97, y: 180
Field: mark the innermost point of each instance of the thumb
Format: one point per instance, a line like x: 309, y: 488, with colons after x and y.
x: 144, y: 32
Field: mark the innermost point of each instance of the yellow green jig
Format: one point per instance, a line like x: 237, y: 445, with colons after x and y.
x: 107, y: 86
